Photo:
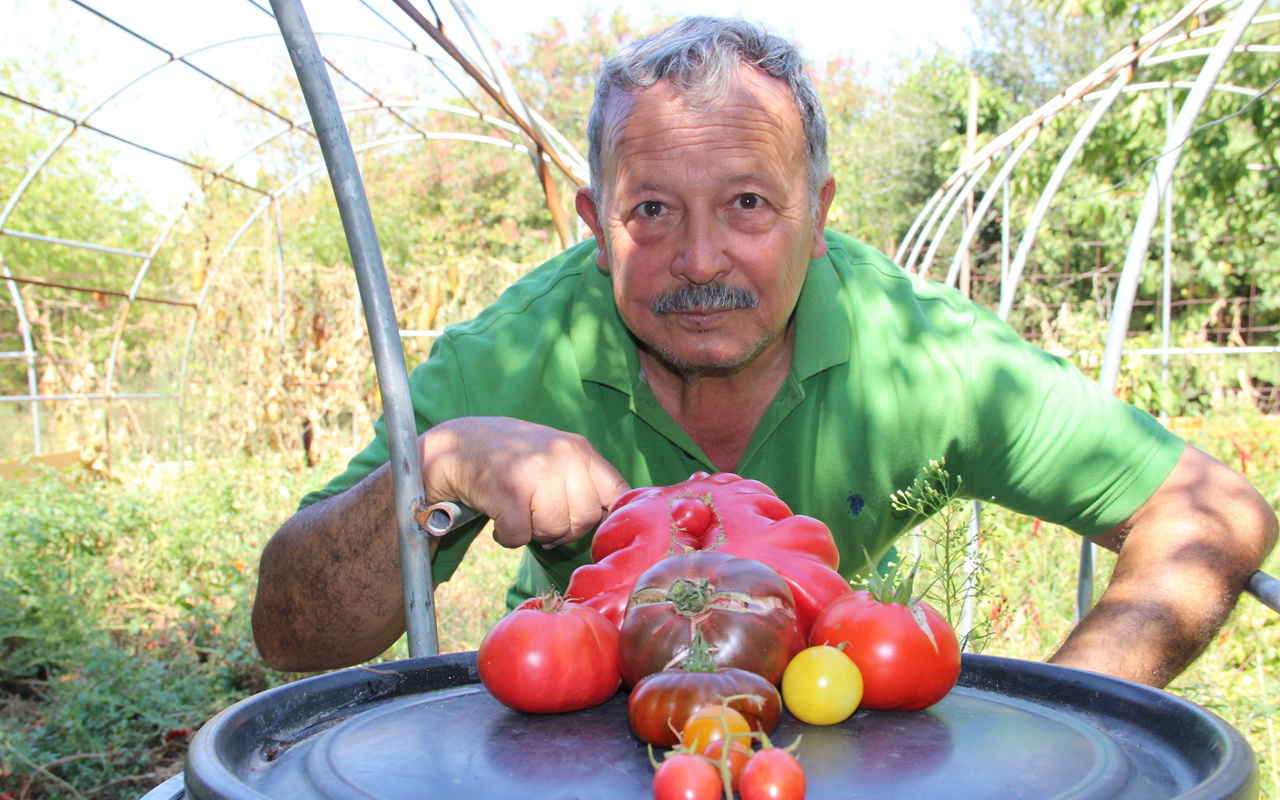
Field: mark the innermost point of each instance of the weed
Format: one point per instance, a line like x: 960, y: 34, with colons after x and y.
x: 952, y: 563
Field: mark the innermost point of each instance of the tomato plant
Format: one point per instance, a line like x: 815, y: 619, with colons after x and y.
x: 772, y: 774
x: 908, y: 655
x: 660, y: 704
x: 686, y: 776
x: 821, y: 686
x: 549, y: 656
x: 741, y: 607
x: 721, y: 512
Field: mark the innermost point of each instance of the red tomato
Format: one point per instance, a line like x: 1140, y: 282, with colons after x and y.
x: 735, y: 761
x: 907, y: 653
x: 686, y: 776
x: 772, y: 774
x: 550, y: 656
x: 660, y: 705
x: 742, y: 608
x: 720, y: 512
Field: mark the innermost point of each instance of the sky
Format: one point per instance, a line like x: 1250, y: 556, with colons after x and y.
x: 59, y: 36
x: 873, y: 32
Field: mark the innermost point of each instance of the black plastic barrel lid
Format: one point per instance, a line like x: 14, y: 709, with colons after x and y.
x: 1011, y: 730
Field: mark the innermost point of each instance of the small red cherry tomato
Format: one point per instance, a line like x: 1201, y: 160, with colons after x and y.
x: 735, y: 761
x: 772, y: 774
x: 686, y: 776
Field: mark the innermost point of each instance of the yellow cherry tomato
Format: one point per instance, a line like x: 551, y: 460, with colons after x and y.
x: 821, y: 686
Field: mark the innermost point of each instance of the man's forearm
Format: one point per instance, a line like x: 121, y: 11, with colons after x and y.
x: 1148, y: 629
x: 329, y: 591
x: 1184, y: 558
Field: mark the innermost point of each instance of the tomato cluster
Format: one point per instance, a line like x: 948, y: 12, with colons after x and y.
x: 704, y: 637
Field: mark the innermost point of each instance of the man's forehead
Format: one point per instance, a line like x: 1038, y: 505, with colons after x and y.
x: 704, y: 99
x: 748, y: 87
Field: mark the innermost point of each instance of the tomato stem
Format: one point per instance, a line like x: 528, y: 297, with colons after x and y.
x: 699, y: 658
x: 690, y: 597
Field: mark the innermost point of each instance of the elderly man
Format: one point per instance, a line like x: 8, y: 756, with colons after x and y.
x: 713, y: 323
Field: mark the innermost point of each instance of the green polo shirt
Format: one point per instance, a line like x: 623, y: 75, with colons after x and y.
x: 889, y: 372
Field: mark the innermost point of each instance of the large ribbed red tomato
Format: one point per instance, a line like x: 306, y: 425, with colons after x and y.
x: 550, y: 656
x: 723, y: 513
x: 742, y: 608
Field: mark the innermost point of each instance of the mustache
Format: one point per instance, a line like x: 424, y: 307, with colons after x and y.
x: 706, y: 296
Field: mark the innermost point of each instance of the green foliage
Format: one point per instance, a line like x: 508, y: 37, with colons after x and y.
x: 124, y: 615
x: 1031, y: 54
x: 953, y: 567
x: 75, y: 196
x: 555, y: 70
x: 124, y: 618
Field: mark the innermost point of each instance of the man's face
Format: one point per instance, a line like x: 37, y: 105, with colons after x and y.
x: 705, y: 224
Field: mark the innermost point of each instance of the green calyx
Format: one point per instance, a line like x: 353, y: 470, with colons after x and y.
x: 690, y: 597
x: 891, y: 588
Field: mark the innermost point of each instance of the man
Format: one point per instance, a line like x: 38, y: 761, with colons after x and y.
x: 712, y: 323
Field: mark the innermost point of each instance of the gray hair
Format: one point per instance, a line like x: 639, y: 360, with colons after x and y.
x: 698, y: 57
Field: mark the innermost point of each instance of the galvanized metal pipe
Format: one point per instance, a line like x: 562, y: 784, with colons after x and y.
x: 1009, y: 288
x: 1001, y: 181
x: 1265, y: 589
x: 375, y: 294
x: 1136, y: 257
x: 97, y: 248
x: 1166, y: 278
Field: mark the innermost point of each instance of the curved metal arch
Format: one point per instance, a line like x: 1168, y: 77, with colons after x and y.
x: 1136, y: 257
x: 1123, y: 59
x: 266, y: 203
x: 1008, y: 292
x: 112, y: 365
x: 94, y: 108
x: 1166, y: 164
x: 126, y: 308
x: 952, y: 192
x: 1000, y: 182
x: 965, y: 191
x: 1009, y: 286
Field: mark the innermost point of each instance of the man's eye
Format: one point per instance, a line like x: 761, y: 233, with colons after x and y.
x: 650, y: 208
x: 749, y: 201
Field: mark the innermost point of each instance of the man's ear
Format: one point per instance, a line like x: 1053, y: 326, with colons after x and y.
x: 585, y: 203
x: 825, y: 195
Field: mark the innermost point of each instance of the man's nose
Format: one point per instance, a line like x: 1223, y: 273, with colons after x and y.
x: 702, y: 255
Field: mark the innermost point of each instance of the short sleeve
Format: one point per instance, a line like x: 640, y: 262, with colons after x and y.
x: 1047, y: 441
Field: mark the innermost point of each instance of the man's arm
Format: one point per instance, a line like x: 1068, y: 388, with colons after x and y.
x: 329, y: 589
x: 1183, y: 560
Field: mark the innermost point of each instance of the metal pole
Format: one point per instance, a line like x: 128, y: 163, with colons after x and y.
x: 1009, y: 289
x: 1166, y: 284
x: 1136, y: 257
x: 280, y: 274
x: 375, y: 295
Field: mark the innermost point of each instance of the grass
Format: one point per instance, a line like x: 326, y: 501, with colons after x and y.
x: 124, y: 612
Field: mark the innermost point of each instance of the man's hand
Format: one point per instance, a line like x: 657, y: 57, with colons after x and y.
x: 538, y: 485
x: 329, y: 588
x: 1184, y: 558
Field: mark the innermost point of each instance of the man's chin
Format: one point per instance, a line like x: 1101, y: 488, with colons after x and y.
x: 695, y: 362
